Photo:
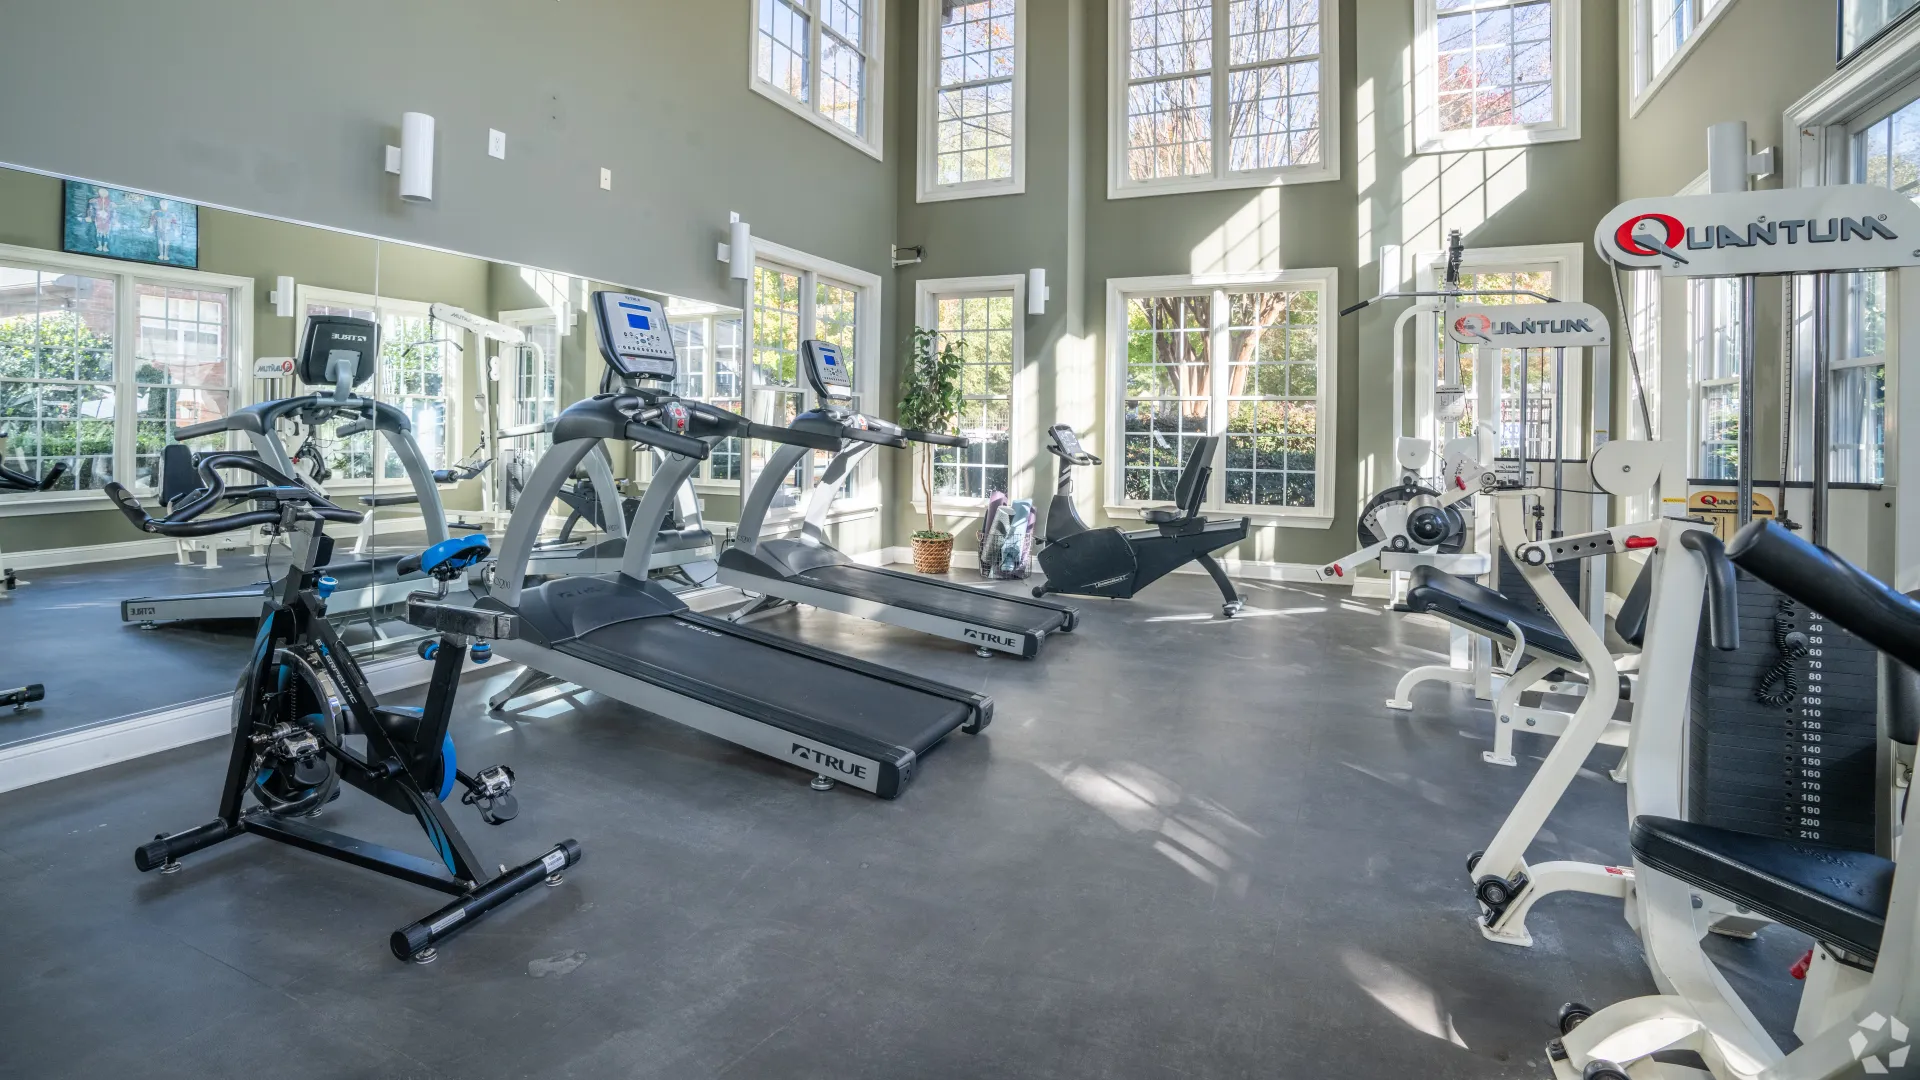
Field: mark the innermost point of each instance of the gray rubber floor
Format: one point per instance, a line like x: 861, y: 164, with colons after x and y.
x: 1186, y: 847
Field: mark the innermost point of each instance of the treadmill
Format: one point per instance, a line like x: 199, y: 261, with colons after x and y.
x: 844, y: 720
x: 337, y: 352
x: 807, y: 569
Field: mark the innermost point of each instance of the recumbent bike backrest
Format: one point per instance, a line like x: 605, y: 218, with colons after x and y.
x: 1191, y: 490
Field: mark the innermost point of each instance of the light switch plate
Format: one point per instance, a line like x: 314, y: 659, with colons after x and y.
x: 496, y: 144
x: 606, y: 179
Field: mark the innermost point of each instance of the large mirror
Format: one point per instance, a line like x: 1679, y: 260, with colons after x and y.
x: 137, y: 333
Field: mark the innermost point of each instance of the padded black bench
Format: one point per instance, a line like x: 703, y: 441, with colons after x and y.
x: 1838, y: 897
x: 1435, y: 592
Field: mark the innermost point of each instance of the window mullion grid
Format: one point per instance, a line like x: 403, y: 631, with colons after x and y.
x: 1222, y: 103
x: 816, y: 53
x: 126, y: 324
x: 1217, y: 382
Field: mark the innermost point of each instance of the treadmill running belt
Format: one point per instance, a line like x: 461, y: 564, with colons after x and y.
x: 976, y: 605
x: 755, y: 679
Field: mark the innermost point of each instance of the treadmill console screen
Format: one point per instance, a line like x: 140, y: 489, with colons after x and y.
x: 1068, y: 442
x: 634, y: 337
x: 826, y: 368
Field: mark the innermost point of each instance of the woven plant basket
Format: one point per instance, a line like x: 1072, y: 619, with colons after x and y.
x: 932, y: 556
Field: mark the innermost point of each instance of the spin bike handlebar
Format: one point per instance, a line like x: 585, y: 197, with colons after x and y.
x: 15, y: 480
x: 186, y: 518
x: 1832, y: 586
x: 460, y: 473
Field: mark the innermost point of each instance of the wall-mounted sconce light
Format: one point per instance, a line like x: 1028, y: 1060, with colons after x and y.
x: 1037, y: 293
x: 412, y: 160
x: 282, y: 297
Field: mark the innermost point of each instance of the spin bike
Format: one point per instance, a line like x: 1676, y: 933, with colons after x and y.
x: 12, y: 480
x: 302, y: 695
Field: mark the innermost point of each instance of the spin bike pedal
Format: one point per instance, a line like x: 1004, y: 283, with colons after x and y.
x: 491, y: 792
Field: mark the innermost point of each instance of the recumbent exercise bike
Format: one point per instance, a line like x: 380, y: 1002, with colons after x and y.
x: 302, y: 695
x: 1118, y: 563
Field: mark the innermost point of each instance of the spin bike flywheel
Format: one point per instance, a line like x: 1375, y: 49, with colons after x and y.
x: 1430, y: 526
x: 298, y: 713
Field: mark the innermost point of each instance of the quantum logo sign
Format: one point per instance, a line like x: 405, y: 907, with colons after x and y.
x: 1483, y: 328
x: 1651, y: 234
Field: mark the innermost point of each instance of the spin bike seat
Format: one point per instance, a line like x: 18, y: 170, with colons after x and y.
x: 1435, y: 592
x: 448, y: 557
x: 1837, y: 896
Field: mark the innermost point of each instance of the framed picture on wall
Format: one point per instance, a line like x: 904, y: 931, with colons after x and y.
x: 116, y: 224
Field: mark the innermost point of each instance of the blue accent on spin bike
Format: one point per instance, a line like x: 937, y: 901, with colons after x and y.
x: 452, y: 556
x: 481, y: 652
x: 448, y: 763
x: 428, y: 649
x: 326, y: 585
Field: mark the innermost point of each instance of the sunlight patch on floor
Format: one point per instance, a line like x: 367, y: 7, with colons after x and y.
x: 1416, y: 1004
x: 1194, y: 833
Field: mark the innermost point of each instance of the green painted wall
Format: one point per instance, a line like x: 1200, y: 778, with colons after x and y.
x: 1066, y: 223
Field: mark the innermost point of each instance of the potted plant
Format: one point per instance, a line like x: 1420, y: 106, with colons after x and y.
x: 929, y: 400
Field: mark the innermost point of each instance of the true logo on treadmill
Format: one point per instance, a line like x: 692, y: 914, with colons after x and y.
x: 828, y: 761
x: 986, y: 635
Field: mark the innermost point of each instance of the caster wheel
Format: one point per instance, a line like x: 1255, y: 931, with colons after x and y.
x: 1493, y: 892
x: 1572, y: 1015
x: 1473, y: 860
x: 1038, y: 592
x: 1603, y: 1070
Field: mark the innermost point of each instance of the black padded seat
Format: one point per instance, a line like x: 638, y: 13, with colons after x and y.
x: 1433, y: 591
x: 1837, y: 896
x: 1162, y: 515
x: 1631, y: 623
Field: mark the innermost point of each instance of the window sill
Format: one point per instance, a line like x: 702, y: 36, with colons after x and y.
x: 717, y: 487
x: 1459, y: 142
x: 981, y: 189
x: 805, y: 111
x: 953, y: 505
x: 789, y: 523
x: 1136, y: 189
x: 1282, y: 519
x: 33, y: 504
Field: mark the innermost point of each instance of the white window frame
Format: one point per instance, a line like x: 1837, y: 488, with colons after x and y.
x: 866, y: 496
x: 1698, y: 329
x: 1567, y: 263
x: 1326, y: 408
x: 1121, y: 186
x: 523, y: 320
x: 1647, y: 79
x: 873, y: 139
x: 126, y: 333
x: 680, y: 312
x: 927, y: 294
x: 453, y: 380
x: 930, y: 189
x: 1565, y: 125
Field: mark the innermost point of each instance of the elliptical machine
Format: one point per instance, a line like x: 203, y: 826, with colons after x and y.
x: 302, y: 695
x: 1118, y: 563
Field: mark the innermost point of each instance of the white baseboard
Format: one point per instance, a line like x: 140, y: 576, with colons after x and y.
x: 46, y: 558
x: 73, y: 752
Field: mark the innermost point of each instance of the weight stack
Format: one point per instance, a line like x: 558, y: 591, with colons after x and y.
x: 1512, y: 584
x: 1803, y: 769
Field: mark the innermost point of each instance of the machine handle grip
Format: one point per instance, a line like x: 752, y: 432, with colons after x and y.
x: 697, y: 449
x: 934, y: 438
x: 1832, y: 586
x: 185, y: 520
x: 53, y: 476
x: 460, y: 473
x: 874, y: 436
x: 813, y: 440
x: 197, y: 431
x: 1351, y: 308
x: 1723, y: 589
